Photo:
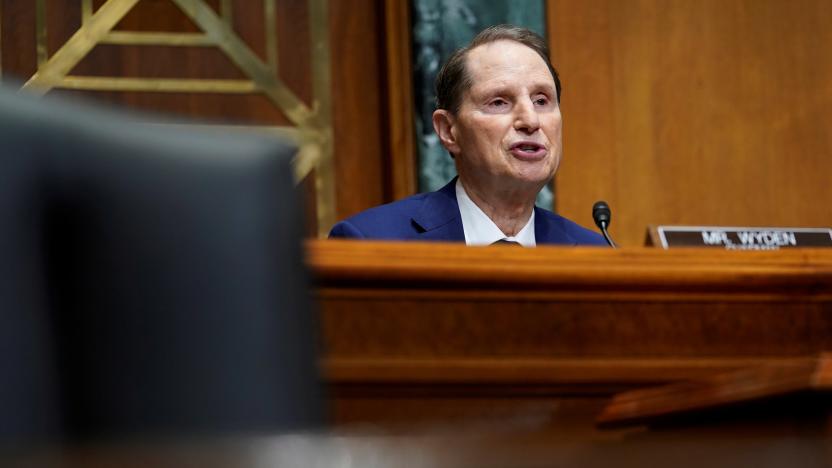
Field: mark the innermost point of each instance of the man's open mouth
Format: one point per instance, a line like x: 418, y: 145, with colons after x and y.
x: 527, y: 149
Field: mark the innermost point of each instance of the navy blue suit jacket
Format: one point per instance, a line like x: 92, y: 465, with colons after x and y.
x: 435, y: 216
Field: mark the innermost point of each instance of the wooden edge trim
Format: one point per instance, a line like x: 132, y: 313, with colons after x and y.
x: 388, y: 264
x: 402, y: 141
x: 768, y: 379
x: 525, y: 371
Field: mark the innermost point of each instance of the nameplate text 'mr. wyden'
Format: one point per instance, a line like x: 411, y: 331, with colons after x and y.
x: 743, y: 238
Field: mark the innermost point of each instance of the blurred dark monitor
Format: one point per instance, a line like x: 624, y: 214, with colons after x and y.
x: 151, y: 280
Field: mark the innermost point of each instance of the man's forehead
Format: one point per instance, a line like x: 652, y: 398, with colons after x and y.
x: 501, y: 62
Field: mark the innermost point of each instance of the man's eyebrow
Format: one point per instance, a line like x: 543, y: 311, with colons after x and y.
x: 486, y: 91
x: 502, y: 89
x: 541, y: 85
x: 544, y: 85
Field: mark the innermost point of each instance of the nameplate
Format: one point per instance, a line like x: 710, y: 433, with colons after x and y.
x: 743, y: 238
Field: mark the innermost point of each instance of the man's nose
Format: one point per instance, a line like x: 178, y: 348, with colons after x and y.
x: 526, y: 118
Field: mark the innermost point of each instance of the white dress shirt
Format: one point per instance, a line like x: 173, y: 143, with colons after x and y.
x: 480, y: 230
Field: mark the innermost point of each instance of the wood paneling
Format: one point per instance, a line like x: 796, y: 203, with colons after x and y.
x: 17, y: 27
x: 357, y: 31
x: 708, y: 112
x: 401, y: 142
x: 414, y: 322
x: 676, y: 112
x: 358, y: 100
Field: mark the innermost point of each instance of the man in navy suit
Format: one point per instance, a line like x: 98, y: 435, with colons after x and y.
x: 498, y: 115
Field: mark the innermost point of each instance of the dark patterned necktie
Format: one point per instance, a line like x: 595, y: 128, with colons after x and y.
x: 506, y: 242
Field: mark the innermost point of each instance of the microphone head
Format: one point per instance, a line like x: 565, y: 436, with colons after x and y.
x: 601, y: 214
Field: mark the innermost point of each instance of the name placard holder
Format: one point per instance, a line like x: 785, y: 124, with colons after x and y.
x: 738, y: 238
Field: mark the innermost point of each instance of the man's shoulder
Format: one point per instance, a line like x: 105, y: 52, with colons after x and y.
x: 578, y: 233
x: 404, y: 208
x: 425, y: 216
x: 389, y: 221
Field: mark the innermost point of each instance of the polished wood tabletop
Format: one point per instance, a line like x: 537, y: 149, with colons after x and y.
x: 435, y: 331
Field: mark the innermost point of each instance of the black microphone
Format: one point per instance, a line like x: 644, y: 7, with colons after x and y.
x: 603, y: 217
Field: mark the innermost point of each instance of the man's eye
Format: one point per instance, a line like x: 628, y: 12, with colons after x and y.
x: 498, y: 103
x: 541, y: 101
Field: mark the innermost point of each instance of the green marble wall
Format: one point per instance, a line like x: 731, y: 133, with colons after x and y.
x: 439, y: 28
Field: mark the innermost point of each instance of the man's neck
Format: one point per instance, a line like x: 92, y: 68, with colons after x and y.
x: 509, y: 210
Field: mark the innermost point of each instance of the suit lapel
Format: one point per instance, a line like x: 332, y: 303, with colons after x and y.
x: 438, y: 218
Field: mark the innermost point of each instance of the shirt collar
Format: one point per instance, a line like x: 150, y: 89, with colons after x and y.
x: 480, y: 229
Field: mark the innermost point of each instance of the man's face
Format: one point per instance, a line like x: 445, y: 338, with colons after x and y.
x: 506, y: 135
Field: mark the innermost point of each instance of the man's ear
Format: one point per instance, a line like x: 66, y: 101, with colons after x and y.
x: 443, y: 125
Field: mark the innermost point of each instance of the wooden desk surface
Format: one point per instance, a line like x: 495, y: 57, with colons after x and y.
x: 582, y: 270
x: 561, y: 328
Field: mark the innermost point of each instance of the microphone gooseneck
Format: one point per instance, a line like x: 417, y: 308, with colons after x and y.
x: 603, y: 217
